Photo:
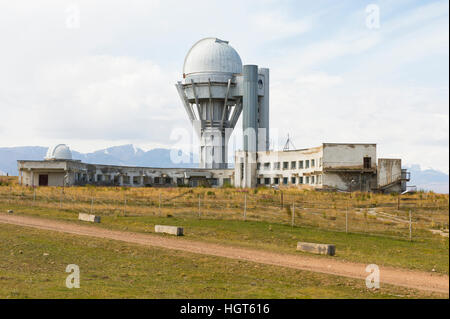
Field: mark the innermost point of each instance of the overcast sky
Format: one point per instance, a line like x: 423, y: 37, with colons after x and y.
x: 94, y: 74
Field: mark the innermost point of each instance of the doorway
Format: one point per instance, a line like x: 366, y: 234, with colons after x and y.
x: 43, y: 180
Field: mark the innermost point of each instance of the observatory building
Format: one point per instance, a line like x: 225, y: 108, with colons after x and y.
x: 215, y: 89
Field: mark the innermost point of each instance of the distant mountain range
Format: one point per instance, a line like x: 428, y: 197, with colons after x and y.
x: 427, y: 179
x: 118, y: 155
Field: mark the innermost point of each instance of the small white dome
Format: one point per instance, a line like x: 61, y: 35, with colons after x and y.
x: 211, y: 55
x: 59, y: 152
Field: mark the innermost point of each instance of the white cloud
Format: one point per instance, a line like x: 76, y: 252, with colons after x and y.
x: 111, y: 81
x: 277, y: 25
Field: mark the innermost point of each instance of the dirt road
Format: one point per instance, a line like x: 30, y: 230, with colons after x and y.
x: 394, y: 276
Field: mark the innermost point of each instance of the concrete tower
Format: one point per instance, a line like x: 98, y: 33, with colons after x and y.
x: 214, y: 92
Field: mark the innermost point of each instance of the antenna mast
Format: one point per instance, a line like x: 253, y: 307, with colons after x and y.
x: 288, y: 142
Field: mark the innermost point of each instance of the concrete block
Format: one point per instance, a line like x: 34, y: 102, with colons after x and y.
x: 89, y: 218
x: 172, y: 230
x: 322, y: 249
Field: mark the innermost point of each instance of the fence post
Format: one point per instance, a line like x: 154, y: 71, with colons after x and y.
x: 281, y: 199
x: 293, y: 214
x: 159, y: 209
x: 245, y: 207
x: 199, y: 205
x: 398, y: 202
x: 60, y: 199
x: 34, y: 195
x: 92, y: 203
x: 346, y: 219
x: 124, y: 204
x: 410, y: 226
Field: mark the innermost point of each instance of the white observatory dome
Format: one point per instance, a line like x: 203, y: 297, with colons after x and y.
x: 59, y: 152
x: 211, y: 56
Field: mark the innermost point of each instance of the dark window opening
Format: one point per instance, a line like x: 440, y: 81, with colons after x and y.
x: 367, y: 162
x: 43, y: 180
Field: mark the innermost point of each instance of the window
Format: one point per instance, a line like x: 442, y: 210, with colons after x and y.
x: 312, y: 179
x: 276, y: 165
x: 293, y: 180
x: 300, y: 180
x: 300, y: 164
x: 285, y: 180
x: 320, y: 162
x: 293, y: 165
x: 267, y: 181
x: 307, y: 180
x: 319, y: 179
x: 285, y: 165
x: 258, y: 181
x: 276, y: 180
x: 367, y: 162
x: 258, y: 166
x: 167, y: 180
x: 313, y: 163
x: 307, y: 164
x: 267, y: 166
x: 156, y: 180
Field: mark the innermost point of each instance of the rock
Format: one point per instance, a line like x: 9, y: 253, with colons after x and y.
x: 10, y: 211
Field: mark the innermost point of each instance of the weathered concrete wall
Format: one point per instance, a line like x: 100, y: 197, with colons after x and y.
x: 350, y: 181
x: 344, y: 168
x: 79, y: 173
x: 389, y: 170
x: 348, y: 156
x: 56, y: 179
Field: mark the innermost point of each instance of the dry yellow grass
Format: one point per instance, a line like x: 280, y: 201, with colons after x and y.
x: 363, y: 212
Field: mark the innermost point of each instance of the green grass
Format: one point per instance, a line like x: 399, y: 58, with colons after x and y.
x: 113, y: 269
x: 426, y: 253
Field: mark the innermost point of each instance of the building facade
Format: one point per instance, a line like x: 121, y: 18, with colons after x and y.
x: 344, y: 167
x: 340, y: 167
x: 64, y: 172
x: 215, y: 90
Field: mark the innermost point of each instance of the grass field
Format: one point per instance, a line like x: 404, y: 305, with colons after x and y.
x: 422, y: 254
x: 266, y: 219
x: 33, y: 264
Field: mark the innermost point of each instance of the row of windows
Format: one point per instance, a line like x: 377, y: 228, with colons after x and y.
x: 306, y: 180
x: 126, y: 179
x: 291, y: 165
